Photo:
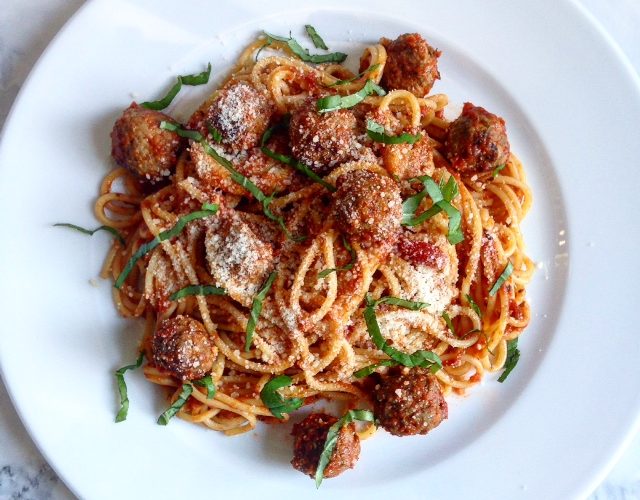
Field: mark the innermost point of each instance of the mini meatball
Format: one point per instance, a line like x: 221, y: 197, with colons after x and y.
x: 180, y: 345
x: 476, y: 141
x: 141, y: 146
x: 409, y: 402
x: 367, y: 206
x: 412, y: 64
x: 310, y: 436
x: 323, y: 140
x: 241, y: 114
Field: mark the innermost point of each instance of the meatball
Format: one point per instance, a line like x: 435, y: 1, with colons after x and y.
x: 409, y: 402
x: 409, y: 160
x: 367, y: 206
x: 310, y: 436
x: 476, y: 141
x: 323, y: 140
x: 412, y: 64
x: 180, y: 345
x: 241, y: 114
x: 141, y: 146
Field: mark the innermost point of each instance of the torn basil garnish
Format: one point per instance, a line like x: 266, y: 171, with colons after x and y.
x: 376, y: 132
x: 122, y: 388
x: 357, y: 77
x: 207, y: 383
x: 501, y: 279
x: 113, y: 231
x: 197, y: 290
x: 304, y: 54
x: 346, y: 267
x: 368, y: 370
x: 256, y: 309
x: 273, y: 400
x: 473, y: 305
x: 513, y: 355
x: 317, y: 40
x: 192, y: 80
x: 170, y: 412
x: 334, y: 102
x: 447, y: 320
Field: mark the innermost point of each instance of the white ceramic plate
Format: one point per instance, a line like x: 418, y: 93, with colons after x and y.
x: 551, y: 431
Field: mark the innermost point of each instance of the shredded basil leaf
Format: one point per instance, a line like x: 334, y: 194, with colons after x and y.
x: 264, y: 46
x: 473, y: 305
x: 376, y: 132
x: 273, y: 399
x: 170, y: 412
x: 346, y: 267
x: 423, y: 359
x: 215, y: 133
x: 317, y: 40
x: 333, y: 102
x: 122, y: 388
x: 497, y: 170
x: 358, y: 76
x: 332, y: 439
x: 501, y: 279
x: 114, y: 232
x: 513, y: 355
x: 447, y: 320
x: 207, y: 383
x: 208, y: 209
x: 304, y: 54
x: 197, y: 79
x: 441, y: 197
x: 368, y: 370
x: 197, y: 290
x: 256, y: 309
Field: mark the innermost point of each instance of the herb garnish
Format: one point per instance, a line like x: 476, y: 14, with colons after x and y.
x: 256, y: 309
x: 513, y: 355
x: 423, y: 359
x: 208, y: 209
x: 122, y: 388
x: 333, y: 102
x: 473, y: 305
x: 197, y: 290
x: 196, y: 79
x: 215, y: 133
x: 497, y: 170
x: 368, y: 370
x: 304, y: 54
x: 114, y: 232
x: 376, y: 132
x: 441, y: 195
x: 346, y: 267
x: 273, y: 399
x: 317, y: 40
x: 447, y: 320
x: 332, y: 439
x: 207, y: 383
x: 169, y: 413
x: 358, y: 76
x: 501, y: 279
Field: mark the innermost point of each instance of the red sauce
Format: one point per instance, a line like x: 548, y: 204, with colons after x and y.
x: 422, y: 252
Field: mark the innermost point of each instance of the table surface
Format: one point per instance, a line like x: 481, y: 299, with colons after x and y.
x: 24, y: 473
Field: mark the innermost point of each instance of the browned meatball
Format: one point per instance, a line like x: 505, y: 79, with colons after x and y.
x: 140, y: 145
x: 409, y: 402
x: 367, y: 206
x: 323, y: 140
x: 476, y: 141
x: 180, y: 345
x: 412, y: 64
x: 409, y: 160
x: 310, y: 436
x: 241, y: 114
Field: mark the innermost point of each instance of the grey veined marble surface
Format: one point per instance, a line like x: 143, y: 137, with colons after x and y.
x: 26, y: 28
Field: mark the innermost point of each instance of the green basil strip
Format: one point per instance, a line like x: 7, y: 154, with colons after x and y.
x: 497, y: 170
x: 256, y: 309
x: 473, y: 305
x: 304, y: 54
x: 332, y: 439
x: 368, y: 370
x: 207, y: 383
x: 358, y: 76
x: 215, y: 133
x: 116, y: 234
x: 423, y: 359
x: 447, y: 320
x: 376, y: 132
x: 346, y: 267
x: 264, y: 46
x: 501, y: 279
x: 197, y: 79
x: 170, y: 412
x: 197, y: 290
x: 317, y: 40
x: 208, y: 209
x: 333, y: 102
x: 513, y: 355
x: 122, y: 388
x: 292, y: 162
x: 236, y: 176
x: 273, y: 400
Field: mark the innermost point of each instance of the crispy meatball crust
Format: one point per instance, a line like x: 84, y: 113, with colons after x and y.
x: 412, y: 64
x: 409, y: 402
x: 323, y: 140
x: 180, y: 345
x: 241, y: 114
x: 367, y: 206
x: 141, y: 146
x: 310, y: 435
x: 476, y: 141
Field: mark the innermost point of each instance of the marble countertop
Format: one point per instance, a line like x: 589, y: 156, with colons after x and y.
x: 24, y: 473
